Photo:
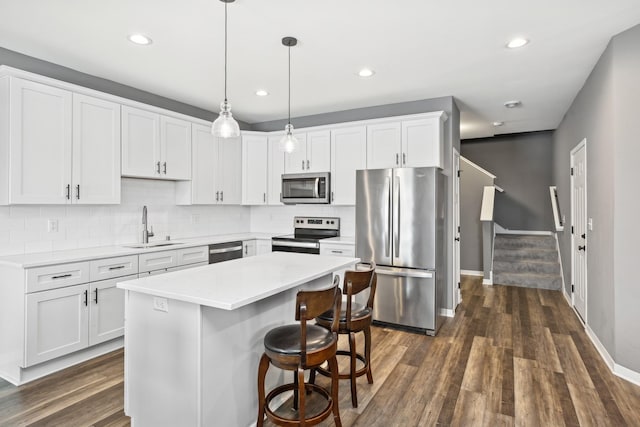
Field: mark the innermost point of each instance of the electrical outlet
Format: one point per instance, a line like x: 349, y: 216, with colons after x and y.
x: 161, y: 304
x: 52, y: 226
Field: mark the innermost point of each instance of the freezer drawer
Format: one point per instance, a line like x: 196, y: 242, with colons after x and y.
x: 406, y: 297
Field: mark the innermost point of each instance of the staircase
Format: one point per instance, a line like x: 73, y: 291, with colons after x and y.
x: 526, y: 260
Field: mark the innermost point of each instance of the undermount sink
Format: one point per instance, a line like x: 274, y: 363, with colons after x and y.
x: 151, y: 245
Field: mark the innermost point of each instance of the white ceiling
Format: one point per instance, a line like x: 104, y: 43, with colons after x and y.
x: 419, y: 49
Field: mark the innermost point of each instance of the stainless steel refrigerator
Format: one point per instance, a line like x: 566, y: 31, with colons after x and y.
x: 400, y: 225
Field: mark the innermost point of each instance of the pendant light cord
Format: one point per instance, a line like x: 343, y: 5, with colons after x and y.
x: 225, y: 52
x: 289, y: 114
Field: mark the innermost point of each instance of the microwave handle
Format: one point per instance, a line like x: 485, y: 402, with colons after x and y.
x: 317, y: 189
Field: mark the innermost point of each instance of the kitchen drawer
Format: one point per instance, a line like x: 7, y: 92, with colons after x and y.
x: 109, y: 268
x: 57, y: 276
x: 157, y: 261
x: 193, y: 255
x: 337, y: 250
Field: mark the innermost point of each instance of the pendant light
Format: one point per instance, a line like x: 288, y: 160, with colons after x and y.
x: 289, y: 143
x: 225, y: 125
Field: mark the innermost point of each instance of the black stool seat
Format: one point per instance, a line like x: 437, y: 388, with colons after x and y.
x: 286, y: 339
x: 358, y: 311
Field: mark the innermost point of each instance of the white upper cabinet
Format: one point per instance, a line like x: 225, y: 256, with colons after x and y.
x: 40, y: 138
x: 275, y: 169
x: 313, y: 153
x: 384, y: 145
x: 201, y: 189
x: 175, y: 148
x: 255, y: 152
x: 229, y: 176
x: 64, y: 147
x: 407, y: 143
x: 155, y: 146
x: 96, y: 151
x: 348, y: 154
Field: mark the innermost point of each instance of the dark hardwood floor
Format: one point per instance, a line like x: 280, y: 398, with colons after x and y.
x: 511, y: 356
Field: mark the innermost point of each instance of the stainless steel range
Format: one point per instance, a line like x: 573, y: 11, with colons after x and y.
x: 308, y: 231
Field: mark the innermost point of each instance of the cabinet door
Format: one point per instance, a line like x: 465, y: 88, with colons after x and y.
x: 384, y: 146
x: 255, y: 150
x: 96, y: 151
x: 204, y: 161
x: 40, y: 134
x: 275, y: 169
x: 140, y: 143
x: 319, y: 151
x: 296, y: 162
x: 106, y: 312
x: 57, y: 323
x: 230, y: 170
x: 421, y: 143
x: 175, y: 148
x: 263, y: 246
x: 248, y: 248
x: 348, y: 154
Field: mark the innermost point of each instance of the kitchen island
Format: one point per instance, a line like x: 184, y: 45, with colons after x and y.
x: 193, y: 338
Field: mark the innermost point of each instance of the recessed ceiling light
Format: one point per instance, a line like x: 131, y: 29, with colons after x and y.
x: 517, y: 42
x: 262, y: 92
x: 496, y: 124
x: 366, y: 72
x: 140, y: 39
x: 512, y: 104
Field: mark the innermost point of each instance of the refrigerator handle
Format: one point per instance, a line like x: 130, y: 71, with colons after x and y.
x: 396, y: 218
x: 405, y: 272
x: 387, y: 243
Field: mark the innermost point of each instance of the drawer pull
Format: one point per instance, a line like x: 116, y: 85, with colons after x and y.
x: 336, y: 252
x: 119, y: 267
x: 62, y: 276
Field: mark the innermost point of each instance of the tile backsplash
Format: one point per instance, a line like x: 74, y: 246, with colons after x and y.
x: 26, y: 229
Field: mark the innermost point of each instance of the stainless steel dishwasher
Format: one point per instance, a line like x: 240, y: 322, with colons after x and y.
x: 225, y: 251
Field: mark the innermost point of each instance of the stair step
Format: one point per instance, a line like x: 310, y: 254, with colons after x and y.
x: 527, y: 266
x: 524, y: 241
x: 540, y: 281
x: 524, y: 254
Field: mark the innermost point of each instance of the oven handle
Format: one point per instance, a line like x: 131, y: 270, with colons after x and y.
x: 296, y: 244
x: 225, y: 250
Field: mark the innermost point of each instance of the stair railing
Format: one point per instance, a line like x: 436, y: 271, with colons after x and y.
x: 488, y: 231
x: 558, y: 219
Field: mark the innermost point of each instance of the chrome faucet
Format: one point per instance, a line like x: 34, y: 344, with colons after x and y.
x: 145, y: 232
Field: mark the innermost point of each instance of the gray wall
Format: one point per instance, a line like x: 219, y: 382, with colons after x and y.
x: 606, y: 112
x: 49, y: 69
x: 472, y: 183
x: 523, y: 166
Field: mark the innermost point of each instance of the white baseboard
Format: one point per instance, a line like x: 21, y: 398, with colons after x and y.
x: 487, y: 282
x: 567, y: 297
x: 527, y: 232
x: 472, y: 273
x: 618, y: 370
x: 446, y: 312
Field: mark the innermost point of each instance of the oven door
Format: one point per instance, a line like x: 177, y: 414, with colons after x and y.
x: 291, y: 246
x: 305, y: 188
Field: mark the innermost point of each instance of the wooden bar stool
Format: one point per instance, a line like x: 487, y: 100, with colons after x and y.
x: 299, y: 347
x: 354, y: 318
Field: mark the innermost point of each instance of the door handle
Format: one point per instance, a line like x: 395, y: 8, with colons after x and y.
x: 457, y: 239
x: 316, y: 190
x: 584, y: 235
x: 303, y: 165
x: 582, y: 248
x: 222, y: 196
x: 264, y: 197
x: 246, y: 249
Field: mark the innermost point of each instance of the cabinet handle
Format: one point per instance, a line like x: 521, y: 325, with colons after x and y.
x: 68, y: 191
x: 303, y: 165
x: 119, y: 267
x: 158, y: 167
x: 331, y: 197
x: 307, y: 164
x: 336, y: 252
x: 164, y: 166
x: 86, y: 297
x: 78, y: 192
x: 96, y: 298
x: 404, y: 158
x: 222, y: 196
x: 264, y: 197
x: 62, y: 276
x: 397, y: 159
x: 217, y: 196
x: 246, y: 249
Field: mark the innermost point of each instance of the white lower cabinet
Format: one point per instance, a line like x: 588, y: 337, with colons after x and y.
x: 248, y: 248
x: 106, y: 310
x: 263, y: 246
x: 57, y: 323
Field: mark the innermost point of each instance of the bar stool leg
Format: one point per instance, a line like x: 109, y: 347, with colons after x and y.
x: 295, y: 391
x: 262, y: 372
x: 333, y: 367
x: 352, y: 351
x: 367, y: 352
x: 301, y: 396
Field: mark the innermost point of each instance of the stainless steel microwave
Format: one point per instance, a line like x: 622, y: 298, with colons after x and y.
x: 298, y: 188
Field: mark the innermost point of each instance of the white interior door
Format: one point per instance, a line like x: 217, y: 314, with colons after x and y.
x: 457, y: 297
x: 579, y: 225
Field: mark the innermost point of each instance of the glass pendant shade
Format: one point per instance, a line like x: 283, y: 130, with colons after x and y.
x: 225, y: 126
x: 288, y: 143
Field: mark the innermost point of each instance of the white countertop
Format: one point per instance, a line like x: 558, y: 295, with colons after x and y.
x: 87, y: 254
x: 340, y: 240
x: 232, y: 284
